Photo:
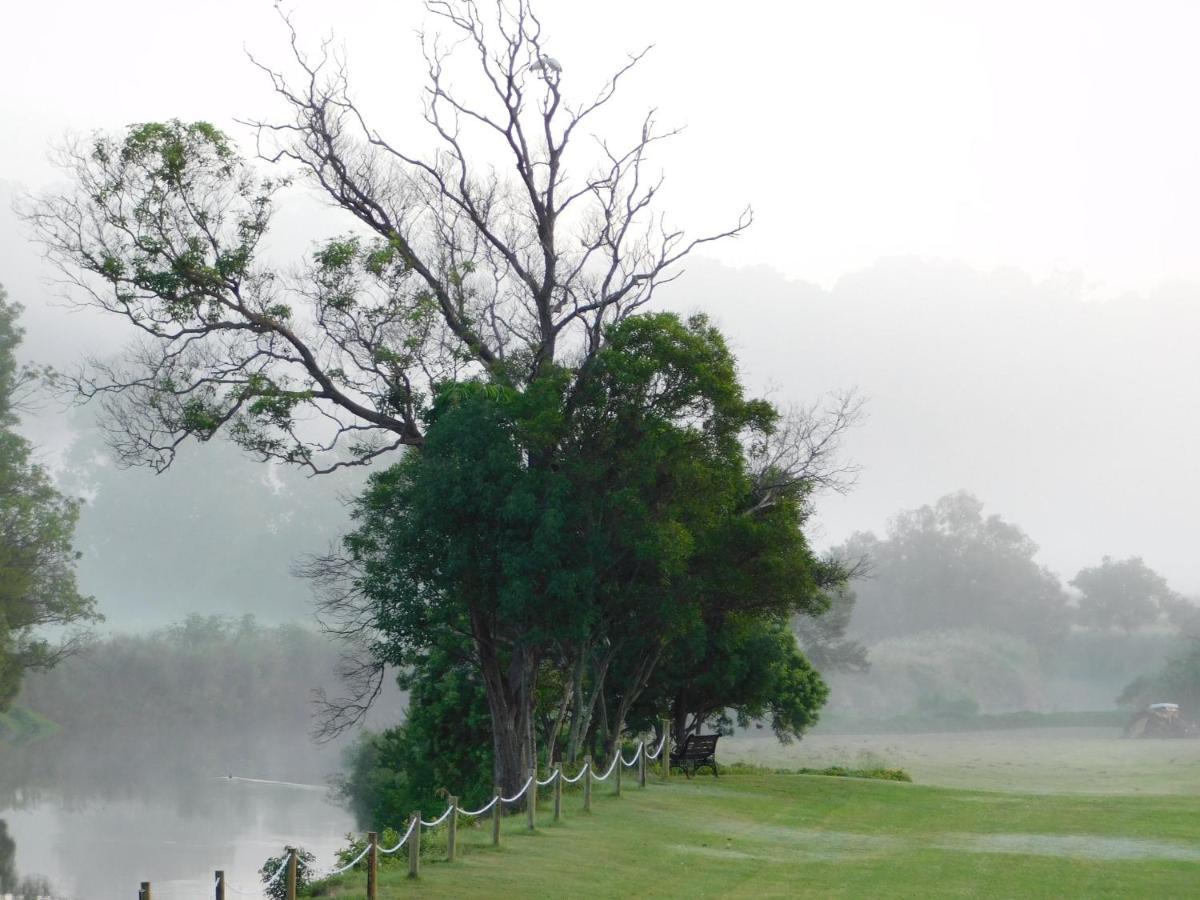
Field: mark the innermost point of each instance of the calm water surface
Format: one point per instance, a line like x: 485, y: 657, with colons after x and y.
x: 176, y: 837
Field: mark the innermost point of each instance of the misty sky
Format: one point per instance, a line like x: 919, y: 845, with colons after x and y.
x: 1027, y: 172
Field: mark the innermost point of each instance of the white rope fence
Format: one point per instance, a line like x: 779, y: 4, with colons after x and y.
x: 636, y: 756
x: 578, y: 775
x: 412, y: 836
x: 472, y: 813
x: 657, y: 753
x: 616, y: 759
x: 443, y: 817
x: 350, y: 865
x: 519, y: 794
x: 407, y: 835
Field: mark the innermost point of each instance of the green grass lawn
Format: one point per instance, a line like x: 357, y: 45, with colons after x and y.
x: 797, y: 836
x: 1037, y: 760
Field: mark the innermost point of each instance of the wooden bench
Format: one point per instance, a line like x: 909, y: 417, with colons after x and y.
x: 698, y: 750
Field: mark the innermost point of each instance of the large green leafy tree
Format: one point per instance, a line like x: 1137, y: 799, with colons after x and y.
x: 752, y: 574
x: 37, y: 561
x: 452, y: 268
x: 650, y: 539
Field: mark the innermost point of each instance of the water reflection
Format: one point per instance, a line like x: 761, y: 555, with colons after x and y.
x: 29, y: 888
x: 175, y: 839
x: 96, y: 818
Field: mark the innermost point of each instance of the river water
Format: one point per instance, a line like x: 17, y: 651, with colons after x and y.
x: 101, y: 847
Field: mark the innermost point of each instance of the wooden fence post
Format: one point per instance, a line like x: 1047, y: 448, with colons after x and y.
x: 372, y: 865
x: 451, y: 831
x: 666, y: 750
x: 414, y: 847
x: 289, y: 875
x: 642, y: 765
x: 220, y: 884
x: 292, y: 871
x: 531, y: 799
x: 587, y: 784
x: 144, y: 891
x: 620, y: 766
x: 557, y: 791
x: 496, y: 794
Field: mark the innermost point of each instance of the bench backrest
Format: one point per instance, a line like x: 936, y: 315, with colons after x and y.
x: 699, y: 746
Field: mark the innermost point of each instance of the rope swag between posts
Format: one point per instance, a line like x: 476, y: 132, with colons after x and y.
x: 289, y: 869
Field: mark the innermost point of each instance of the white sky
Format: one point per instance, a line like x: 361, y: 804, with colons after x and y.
x: 1050, y: 137
x: 1045, y: 135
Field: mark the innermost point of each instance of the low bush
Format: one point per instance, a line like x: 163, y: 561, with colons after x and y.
x: 880, y: 773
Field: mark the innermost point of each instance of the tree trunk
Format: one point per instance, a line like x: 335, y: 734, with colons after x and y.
x: 552, y: 753
x: 584, y: 724
x: 605, y: 735
x: 679, y: 718
x: 510, y: 697
x: 576, y: 704
x: 641, y: 679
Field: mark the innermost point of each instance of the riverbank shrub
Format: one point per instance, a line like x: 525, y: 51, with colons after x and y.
x: 443, y: 748
x: 276, y: 887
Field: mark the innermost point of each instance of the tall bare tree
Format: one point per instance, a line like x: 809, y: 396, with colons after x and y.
x: 454, y: 266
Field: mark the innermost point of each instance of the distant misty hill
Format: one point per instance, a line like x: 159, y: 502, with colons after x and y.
x: 1074, y: 419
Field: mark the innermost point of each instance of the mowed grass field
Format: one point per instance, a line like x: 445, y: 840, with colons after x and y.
x: 1039, y: 760
x: 814, y: 836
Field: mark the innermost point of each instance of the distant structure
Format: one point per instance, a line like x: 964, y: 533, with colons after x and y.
x: 1161, y: 720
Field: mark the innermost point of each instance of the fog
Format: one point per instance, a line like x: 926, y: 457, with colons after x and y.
x: 979, y: 218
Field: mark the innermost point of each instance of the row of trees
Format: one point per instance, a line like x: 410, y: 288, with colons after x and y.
x: 949, y: 566
x: 207, y: 696
x: 591, y: 521
x: 651, y: 570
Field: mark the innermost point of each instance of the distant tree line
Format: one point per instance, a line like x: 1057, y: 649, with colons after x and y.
x: 957, y: 616
x: 206, y: 697
x: 949, y: 566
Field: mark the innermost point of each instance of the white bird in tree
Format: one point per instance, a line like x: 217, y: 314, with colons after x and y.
x: 546, y: 65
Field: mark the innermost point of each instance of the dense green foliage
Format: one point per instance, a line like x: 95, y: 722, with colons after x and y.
x: 444, y: 746
x: 745, y: 665
x: 37, y: 523
x: 276, y: 888
x: 644, y: 555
